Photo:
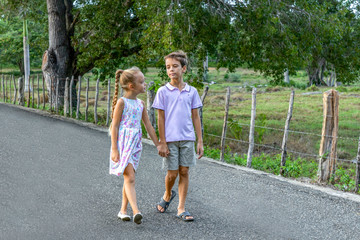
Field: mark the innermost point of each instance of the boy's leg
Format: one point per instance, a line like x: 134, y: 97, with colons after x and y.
x: 170, y: 179
x: 124, y: 202
x: 172, y: 164
x: 183, y: 188
x: 187, y: 158
x: 129, y: 184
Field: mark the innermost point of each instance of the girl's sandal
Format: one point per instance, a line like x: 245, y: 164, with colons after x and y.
x: 124, y: 217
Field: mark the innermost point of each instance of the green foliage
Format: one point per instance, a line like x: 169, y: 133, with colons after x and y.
x: 342, y: 89
x: 312, y: 88
x: 260, y: 123
x: 342, y: 179
x: 235, y: 128
x: 292, y: 83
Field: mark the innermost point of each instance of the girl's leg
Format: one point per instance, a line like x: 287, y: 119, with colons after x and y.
x: 124, y: 202
x: 183, y: 189
x: 129, y: 186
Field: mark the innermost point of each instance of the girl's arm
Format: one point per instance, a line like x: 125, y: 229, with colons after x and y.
x: 197, y: 125
x: 149, y: 128
x: 119, y: 107
x: 163, y: 148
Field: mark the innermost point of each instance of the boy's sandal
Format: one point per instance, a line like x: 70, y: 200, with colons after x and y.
x: 138, y: 218
x: 183, y: 216
x: 164, y: 204
x: 123, y: 217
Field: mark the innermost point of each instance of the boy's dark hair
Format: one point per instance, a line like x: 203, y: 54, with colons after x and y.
x: 180, y: 56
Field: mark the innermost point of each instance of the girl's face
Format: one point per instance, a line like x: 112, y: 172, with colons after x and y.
x: 174, y: 69
x: 140, y: 85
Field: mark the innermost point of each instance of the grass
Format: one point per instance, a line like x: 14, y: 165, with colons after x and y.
x: 272, y: 108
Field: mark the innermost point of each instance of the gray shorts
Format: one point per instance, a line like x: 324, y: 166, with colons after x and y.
x: 182, y: 153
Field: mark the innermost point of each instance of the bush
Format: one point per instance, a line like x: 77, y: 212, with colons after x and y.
x: 312, y: 88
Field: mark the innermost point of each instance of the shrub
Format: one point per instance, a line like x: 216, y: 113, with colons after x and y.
x: 312, y: 88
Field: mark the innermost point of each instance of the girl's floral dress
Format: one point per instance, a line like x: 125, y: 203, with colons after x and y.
x: 129, y: 140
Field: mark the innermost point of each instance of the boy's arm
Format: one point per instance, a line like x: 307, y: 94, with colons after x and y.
x: 149, y: 128
x: 197, y: 125
x: 163, y: 148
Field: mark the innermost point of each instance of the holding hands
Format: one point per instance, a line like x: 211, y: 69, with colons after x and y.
x: 163, y: 149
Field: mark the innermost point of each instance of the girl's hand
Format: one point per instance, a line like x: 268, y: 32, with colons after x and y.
x: 163, y: 149
x: 115, y: 156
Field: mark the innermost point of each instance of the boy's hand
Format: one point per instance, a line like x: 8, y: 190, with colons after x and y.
x: 115, y: 156
x: 200, y: 150
x: 163, y: 149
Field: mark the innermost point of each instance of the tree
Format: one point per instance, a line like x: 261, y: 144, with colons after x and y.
x: 11, y: 42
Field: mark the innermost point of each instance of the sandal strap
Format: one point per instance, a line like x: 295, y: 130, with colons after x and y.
x: 185, y: 214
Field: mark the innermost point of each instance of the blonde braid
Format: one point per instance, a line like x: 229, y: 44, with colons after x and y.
x: 115, y: 98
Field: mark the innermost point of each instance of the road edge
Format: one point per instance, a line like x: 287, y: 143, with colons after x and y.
x: 337, y: 193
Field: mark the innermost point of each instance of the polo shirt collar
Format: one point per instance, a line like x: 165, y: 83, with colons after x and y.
x: 171, y: 87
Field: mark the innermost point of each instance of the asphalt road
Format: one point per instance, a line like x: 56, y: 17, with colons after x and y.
x: 54, y: 184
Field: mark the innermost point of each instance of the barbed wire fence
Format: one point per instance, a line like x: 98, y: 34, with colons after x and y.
x: 326, y: 138
x: 38, y: 94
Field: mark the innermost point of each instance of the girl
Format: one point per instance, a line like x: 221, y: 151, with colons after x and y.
x: 126, y: 134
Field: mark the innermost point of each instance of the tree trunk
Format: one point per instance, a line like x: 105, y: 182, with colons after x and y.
x: 58, y: 59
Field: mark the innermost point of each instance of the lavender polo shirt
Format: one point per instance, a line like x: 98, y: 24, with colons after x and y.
x: 177, y: 106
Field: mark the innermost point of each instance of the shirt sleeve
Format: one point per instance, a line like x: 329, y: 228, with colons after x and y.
x: 196, y: 101
x: 159, y: 100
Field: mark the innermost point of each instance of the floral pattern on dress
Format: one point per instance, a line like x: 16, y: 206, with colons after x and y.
x: 129, y: 137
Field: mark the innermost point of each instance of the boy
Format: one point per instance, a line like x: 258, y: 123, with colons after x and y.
x: 177, y: 105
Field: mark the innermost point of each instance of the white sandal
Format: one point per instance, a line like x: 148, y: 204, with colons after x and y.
x: 124, y: 217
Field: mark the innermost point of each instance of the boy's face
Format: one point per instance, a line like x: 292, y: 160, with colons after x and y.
x: 174, y: 69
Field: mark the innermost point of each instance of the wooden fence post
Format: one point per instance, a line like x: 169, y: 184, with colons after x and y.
x: 6, y: 95
x: 286, y: 132
x: 149, y: 101
x: 11, y: 80
x: 21, y: 91
x: 78, y: 99
x: 108, y: 103
x: 357, y: 181
x: 43, y: 90
x: 223, y: 135
x: 15, y: 90
x: 252, y: 128
x: 29, y: 92
x: 96, y: 100
x: 203, y: 96
x: 38, y: 91
x: 327, y: 152
x: 66, y: 97
x: 70, y: 95
x: 57, y: 96
x: 3, y: 86
x: 87, y: 99
x: 33, y: 89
